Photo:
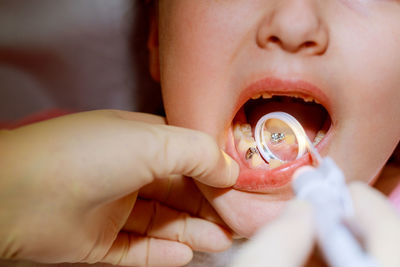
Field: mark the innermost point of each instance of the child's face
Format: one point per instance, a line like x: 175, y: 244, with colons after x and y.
x: 214, y: 55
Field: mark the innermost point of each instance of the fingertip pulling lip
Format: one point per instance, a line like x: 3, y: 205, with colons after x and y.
x: 275, y: 180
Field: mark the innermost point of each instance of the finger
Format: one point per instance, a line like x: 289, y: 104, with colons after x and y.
x: 132, y: 250
x: 172, y: 190
x: 191, y: 153
x: 136, y: 153
x: 155, y: 220
x: 286, y: 242
x: 378, y: 222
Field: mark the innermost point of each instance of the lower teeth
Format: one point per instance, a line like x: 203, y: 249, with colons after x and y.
x: 246, y: 145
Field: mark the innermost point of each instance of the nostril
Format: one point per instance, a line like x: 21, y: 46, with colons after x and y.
x: 274, y: 39
x: 309, y: 44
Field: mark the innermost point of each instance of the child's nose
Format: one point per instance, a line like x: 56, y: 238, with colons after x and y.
x: 294, y: 26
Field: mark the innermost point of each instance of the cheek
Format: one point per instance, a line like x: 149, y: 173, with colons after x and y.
x: 370, y: 115
x: 195, y: 56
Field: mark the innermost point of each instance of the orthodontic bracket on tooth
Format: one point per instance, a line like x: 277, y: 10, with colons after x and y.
x: 251, y: 152
x: 277, y: 137
x: 302, y: 140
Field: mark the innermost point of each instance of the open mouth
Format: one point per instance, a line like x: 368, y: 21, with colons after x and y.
x: 299, y: 99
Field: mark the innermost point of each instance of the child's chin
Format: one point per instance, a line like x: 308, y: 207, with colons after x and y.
x: 245, y: 212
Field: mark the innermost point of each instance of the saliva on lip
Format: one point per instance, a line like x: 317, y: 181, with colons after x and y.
x: 278, y: 138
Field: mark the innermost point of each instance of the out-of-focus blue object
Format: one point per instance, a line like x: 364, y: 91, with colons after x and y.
x: 325, y: 188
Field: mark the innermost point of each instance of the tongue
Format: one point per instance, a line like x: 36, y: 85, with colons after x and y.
x: 310, y: 115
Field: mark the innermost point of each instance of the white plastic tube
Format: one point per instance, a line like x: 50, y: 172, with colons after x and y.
x: 325, y: 188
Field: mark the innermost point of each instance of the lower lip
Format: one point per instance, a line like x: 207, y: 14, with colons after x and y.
x: 267, y: 181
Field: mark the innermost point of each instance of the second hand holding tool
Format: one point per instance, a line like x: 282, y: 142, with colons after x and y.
x: 324, y: 187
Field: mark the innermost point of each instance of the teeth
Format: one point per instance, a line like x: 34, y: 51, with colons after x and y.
x: 246, y: 130
x: 245, y: 143
x: 267, y: 136
x: 308, y: 99
x: 269, y: 95
x: 237, y: 132
x: 320, y: 135
x: 290, y: 139
x: 256, y: 161
x: 242, y: 131
x: 266, y: 95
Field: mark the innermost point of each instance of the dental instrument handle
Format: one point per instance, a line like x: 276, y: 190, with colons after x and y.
x: 325, y: 189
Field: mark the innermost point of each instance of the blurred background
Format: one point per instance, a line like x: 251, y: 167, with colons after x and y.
x: 74, y: 55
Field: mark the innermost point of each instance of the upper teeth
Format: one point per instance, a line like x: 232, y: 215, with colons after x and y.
x: 242, y: 130
x: 270, y: 95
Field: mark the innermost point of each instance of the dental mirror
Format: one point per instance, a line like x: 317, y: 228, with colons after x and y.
x: 279, y: 136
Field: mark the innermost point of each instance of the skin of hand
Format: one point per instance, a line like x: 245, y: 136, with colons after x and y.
x: 69, y: 190
x: 289, y: 240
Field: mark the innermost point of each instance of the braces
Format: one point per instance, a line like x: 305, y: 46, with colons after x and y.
x: 277, y: 137
x: 250, y: 152
x: 291, y: 122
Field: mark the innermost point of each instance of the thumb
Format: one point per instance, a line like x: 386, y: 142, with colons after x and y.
x: 191, y: 153
x: 142, y: 152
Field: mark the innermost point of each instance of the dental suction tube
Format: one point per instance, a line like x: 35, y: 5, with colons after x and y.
x: 279, y: 136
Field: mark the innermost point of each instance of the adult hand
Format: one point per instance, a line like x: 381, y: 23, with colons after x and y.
x: 289, y: 240
x: 69, y: 186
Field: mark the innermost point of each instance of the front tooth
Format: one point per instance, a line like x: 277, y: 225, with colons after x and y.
x: 320, y: 135
x: 256, y: 96
x: 297, y: 96
x: 309, y: 99
x: 266, y: 95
